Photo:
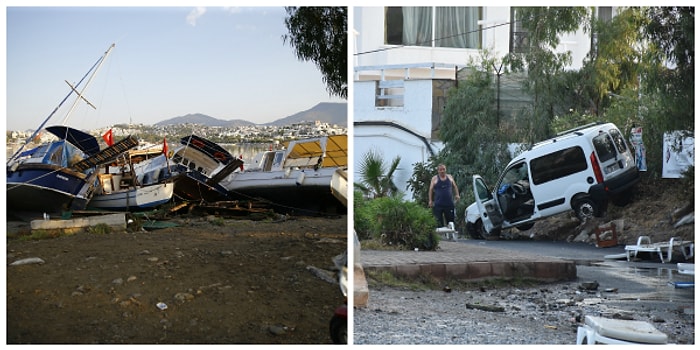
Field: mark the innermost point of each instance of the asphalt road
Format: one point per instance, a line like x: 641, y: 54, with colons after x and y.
x: 637, y: 280
x: 580, y: 252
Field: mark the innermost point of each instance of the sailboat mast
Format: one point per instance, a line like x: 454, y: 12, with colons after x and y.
x: 41, y: 126
x: 80, y: 94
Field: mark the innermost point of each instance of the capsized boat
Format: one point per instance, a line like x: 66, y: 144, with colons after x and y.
x: 198, y: 166
x: 137, y: 180
x: 299, y: 177
x: 54, y: 177
x: 44, y: 178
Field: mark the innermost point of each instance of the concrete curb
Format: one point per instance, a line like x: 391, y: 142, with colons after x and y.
x: 548, y: 271
x: 469, y: 262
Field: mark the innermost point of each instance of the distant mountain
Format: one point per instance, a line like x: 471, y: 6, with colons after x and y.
x: 202, y: 119
x: 326, y: 112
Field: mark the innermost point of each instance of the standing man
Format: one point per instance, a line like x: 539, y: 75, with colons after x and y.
x: 446, y: 193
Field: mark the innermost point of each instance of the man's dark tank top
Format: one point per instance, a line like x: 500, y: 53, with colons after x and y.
x: 443, y: 192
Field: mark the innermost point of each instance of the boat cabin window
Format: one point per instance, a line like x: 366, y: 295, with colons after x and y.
x: 57, y: 155
x: 267, y: 161
x: 37, y: 155
x: 177, y: 158
x: 192, y: 166
x: 279, y: 157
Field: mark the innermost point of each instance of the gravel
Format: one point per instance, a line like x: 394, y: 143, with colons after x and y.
x: 545, y: 314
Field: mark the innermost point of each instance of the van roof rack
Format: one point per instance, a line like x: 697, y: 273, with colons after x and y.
x: 578, y: 128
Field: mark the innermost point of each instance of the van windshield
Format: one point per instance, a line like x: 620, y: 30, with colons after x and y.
x: 605, y: 147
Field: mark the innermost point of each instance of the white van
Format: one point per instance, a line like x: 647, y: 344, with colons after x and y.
x: 579, y: 169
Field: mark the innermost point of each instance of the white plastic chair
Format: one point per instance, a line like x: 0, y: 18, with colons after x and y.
x: 600, y: 330
x: 644, y: 245
x: 448, y: 232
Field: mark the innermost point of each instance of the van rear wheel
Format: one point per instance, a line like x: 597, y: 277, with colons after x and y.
x: 586, y: 208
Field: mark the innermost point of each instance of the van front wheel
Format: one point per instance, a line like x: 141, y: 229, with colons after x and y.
x: 586, y: 208
x: 476, y: 230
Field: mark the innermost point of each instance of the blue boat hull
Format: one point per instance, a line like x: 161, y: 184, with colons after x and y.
x: 45, y: 188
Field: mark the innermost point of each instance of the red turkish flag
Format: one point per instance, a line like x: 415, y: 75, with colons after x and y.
x: 109, y: 139
x: 165, y: 146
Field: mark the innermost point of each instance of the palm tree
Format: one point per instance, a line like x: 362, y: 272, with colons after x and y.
x: 376, y: 180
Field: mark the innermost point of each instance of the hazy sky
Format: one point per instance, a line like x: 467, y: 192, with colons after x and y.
x: 228, y: 63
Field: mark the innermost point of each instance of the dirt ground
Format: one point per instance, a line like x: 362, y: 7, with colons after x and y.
x: 222, y: 280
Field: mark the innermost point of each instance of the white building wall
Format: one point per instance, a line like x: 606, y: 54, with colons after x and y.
x: 417, y: 105
x: 389, y: 142
x: 392, y: 141
x: 495, y: 27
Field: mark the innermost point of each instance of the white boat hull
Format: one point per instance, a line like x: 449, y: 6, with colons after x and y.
x: 259, y: 180
x: 139, y: 198
x: 301, y: 177
x: 295, y: 190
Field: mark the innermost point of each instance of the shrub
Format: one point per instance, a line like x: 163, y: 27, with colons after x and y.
x: 364, y: 215
x: 395, y: 222
x: 100, y: 229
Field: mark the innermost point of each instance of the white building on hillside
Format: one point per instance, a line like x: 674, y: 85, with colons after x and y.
x: 405, y: 61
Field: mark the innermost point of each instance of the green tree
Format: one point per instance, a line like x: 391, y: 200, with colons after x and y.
x: 475, y: 138
x: 667, y: 91
x: 659, y: 95
x: 609, y: 76
x: 619, y: 51
x: 376, y: 179
x: 542, y: 64
x: 319, y: 34
x: 671, y: 65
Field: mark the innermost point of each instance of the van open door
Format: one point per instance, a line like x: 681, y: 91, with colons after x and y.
x: 489, y: 211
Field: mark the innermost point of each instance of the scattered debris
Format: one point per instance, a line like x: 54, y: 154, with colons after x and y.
x: 323, y: 274
x: 589, y: 285
x: 606, y: 234
x: 688, y: 219
x: 277, y: 330
x: 491, y: 308
x: 682, y: 212
x: 183, y: 297
x: 28, y: 261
